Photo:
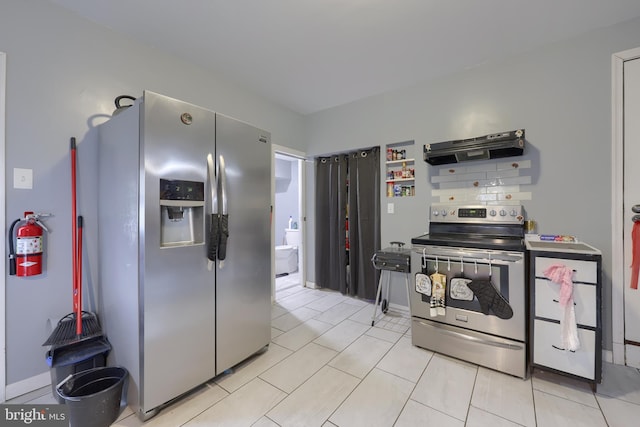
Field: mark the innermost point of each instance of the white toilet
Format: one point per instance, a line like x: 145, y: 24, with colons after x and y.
x: 287, y: 255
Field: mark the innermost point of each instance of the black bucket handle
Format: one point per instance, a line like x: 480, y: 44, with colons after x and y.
x: 125, y: 383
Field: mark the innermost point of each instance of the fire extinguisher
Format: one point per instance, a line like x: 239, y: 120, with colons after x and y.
x: 25, y: 259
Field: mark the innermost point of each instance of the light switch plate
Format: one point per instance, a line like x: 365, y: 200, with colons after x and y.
x: 23, y: 178
x: 390, y: 208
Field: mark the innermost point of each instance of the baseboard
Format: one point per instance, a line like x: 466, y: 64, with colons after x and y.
x: 632, y: 353
x: 618, y: 353
x: 28, y: 385
x: 402, y: 308
x: 311, y: 285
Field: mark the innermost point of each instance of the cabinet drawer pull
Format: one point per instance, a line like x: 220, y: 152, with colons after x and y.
x: 555, y: 300
x: 562, y: 349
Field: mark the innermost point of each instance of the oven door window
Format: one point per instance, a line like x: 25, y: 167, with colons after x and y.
x: 457, y: 294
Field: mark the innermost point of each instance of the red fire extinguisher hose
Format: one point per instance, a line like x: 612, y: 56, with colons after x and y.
x: 12, y: 250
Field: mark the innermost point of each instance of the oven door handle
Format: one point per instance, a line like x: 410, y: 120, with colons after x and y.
x: 493, y: 258
x: 474, y: 339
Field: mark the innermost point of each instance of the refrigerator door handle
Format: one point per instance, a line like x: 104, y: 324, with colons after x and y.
x: 223, y: 185
x: 213, y: 239
x: 224, y: 217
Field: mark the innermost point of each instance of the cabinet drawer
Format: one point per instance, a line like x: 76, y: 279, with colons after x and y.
x: 580, y: 363
x: 585, y: 271
x: 547, y: 296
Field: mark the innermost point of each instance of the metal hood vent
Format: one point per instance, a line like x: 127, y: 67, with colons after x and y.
x: 494, y: 146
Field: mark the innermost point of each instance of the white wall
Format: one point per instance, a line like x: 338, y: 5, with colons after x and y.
x: 560, y: 94
x: 63, y: 73
x: 286, y: 197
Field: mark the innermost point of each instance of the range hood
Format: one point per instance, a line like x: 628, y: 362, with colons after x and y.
x: 494, y: 146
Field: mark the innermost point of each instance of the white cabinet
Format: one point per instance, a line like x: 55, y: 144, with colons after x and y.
x: 547, y: 301
x: 548, y: 351
x: 546, y: 348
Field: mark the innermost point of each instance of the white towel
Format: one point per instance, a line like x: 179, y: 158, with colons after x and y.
x: 568, y: 328
x: 563, y: 276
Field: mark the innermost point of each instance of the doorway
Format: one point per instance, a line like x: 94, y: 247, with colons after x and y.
x: 2, y: 220
x: 288, y: 220
x: 626, y: 196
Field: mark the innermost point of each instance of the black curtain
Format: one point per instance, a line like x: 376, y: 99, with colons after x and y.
x: 331, y: 213
x: 364, y: 221
x: 348, y: 189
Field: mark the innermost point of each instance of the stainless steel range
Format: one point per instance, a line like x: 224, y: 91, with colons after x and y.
x: 468, y: 293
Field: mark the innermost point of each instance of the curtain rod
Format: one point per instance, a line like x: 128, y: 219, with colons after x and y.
x: 344, y: 152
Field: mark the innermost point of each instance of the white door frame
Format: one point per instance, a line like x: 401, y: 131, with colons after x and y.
x: 3, y: 352
x: 617, y: 214
x: 302, y: 203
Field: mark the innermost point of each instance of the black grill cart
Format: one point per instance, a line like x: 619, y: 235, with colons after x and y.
x: 390, y: 260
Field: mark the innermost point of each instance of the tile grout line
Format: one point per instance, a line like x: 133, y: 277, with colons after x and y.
x: 413, y: 389
x: 473, y: 389
x: 533, y: 398
x: 312, y: 375
x: 360, y: 380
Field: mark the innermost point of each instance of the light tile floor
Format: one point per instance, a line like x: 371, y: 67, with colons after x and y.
x: 328, y: 367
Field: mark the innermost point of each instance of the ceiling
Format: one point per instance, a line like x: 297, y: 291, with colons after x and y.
x: 309, y: 55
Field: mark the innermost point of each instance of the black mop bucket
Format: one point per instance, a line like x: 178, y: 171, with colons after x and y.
x: 73, y: 358
x: 96, y: 397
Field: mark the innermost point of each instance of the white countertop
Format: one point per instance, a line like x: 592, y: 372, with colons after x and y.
x: 566, y: 247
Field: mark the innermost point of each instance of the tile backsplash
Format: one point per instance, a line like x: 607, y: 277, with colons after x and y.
x: 488, y: 183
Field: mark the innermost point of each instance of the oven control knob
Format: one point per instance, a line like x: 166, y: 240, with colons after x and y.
x: 436, y: 213
x: 503, y: 212
x: 492, y: 212
x: 444, y: 212
x: 514, y: 212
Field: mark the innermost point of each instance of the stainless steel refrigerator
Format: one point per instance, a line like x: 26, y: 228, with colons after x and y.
x: 178, y: 185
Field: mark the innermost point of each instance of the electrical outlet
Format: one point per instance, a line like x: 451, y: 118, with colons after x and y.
x: 23, y: 178
x: 390, y: 208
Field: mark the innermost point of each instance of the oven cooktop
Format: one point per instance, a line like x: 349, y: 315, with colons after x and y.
x: 474, y: 226
x: 504, y: 243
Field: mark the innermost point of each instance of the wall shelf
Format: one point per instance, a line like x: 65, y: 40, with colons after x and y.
x: 400, y: 172
x: 401, y: 180
x: 399, y: 162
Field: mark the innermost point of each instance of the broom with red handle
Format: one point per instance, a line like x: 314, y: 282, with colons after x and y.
x: 77, y: 308
x: 77, y: 325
